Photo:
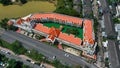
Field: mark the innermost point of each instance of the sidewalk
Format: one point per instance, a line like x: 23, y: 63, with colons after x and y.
x: 7, y: 50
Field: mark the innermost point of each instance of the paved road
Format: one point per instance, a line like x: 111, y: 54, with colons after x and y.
x: 109, y: 26
x: 44, y: 49
x: 114, y: 53
x: 113, y: 50
x: 10, y: 56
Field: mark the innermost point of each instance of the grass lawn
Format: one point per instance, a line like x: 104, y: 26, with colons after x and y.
x: 65, y: 27
x: 13, y: 11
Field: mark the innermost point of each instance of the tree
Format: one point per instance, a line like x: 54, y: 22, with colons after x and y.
x: 16, y: 64
x: 35, y: 55
x: 23, y: 1
x: 116, y: 20
x: 3, y: 23
x: 66, y: 7
x: 1, y: 42
x: 78, y: 66
x: 67, y: 11
x: 6, y: 2
x: 11, y: 27
x: 106, y: 62
x: 12, y: 63
x: 24, y: 66
x: 1, y: 56
x: 18, y: 48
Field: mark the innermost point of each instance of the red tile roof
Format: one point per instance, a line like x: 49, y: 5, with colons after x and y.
x: 19, y: 21
x: 28, y: 19
x: 54, y: 31
x: 52, y: 37
x: 60, y: 17
x: 42, y: 28
x: 70, y: 38
x: 88, y: 35
x: 60, y: 46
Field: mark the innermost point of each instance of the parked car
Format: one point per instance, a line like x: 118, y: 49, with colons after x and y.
x: 54, y: 57
x: 67, y: 55
x: 41, y: 65
x: 32, y: 62
x: 28, y: 60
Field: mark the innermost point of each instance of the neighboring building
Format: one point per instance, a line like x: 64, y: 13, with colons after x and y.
x: 117, y: 29
x: 118, y: 10
x: 32, y: 24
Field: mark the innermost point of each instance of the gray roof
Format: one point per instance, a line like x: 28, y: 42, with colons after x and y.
x: 117, y: 26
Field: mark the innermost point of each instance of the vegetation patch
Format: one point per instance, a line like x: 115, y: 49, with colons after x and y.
x: 12, y: 63
x: 16, y: 46
x: 18, y: 49
x: 66, y: 7
x: 35, y: 55
x: 14, y: 11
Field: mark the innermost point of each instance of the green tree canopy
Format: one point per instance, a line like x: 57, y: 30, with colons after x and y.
x: 18, y: 48
x: 6, y: 2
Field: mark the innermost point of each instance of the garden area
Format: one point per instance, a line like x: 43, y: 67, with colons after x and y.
x: 78, y: 32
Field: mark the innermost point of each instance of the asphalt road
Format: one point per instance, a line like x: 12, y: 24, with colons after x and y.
x: 109, y: 26
x: 113, y: 51
x: 44, y: 49
x: 114, y: 54
x: 10, y: 56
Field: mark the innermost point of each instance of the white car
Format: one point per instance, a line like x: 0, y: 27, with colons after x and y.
x: 32, y: 62
x: 54, y: 57
x: 67, y: 55
x: 41, y: 65
x: 6, y: 52
x: 3, y: 51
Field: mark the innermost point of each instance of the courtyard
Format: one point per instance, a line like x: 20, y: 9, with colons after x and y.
x: 78, y: 32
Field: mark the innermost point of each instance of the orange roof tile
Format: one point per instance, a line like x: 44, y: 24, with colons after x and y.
x: 53, y: 16
x: 88, y: 36
x: 60, y: 46
x: 54, y: 31
x: 51, y: 37
x: 19, y: 21
x: 28, y: 19
x: 70, y: 38
x: 42, y: 28
x: 60, y: 17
